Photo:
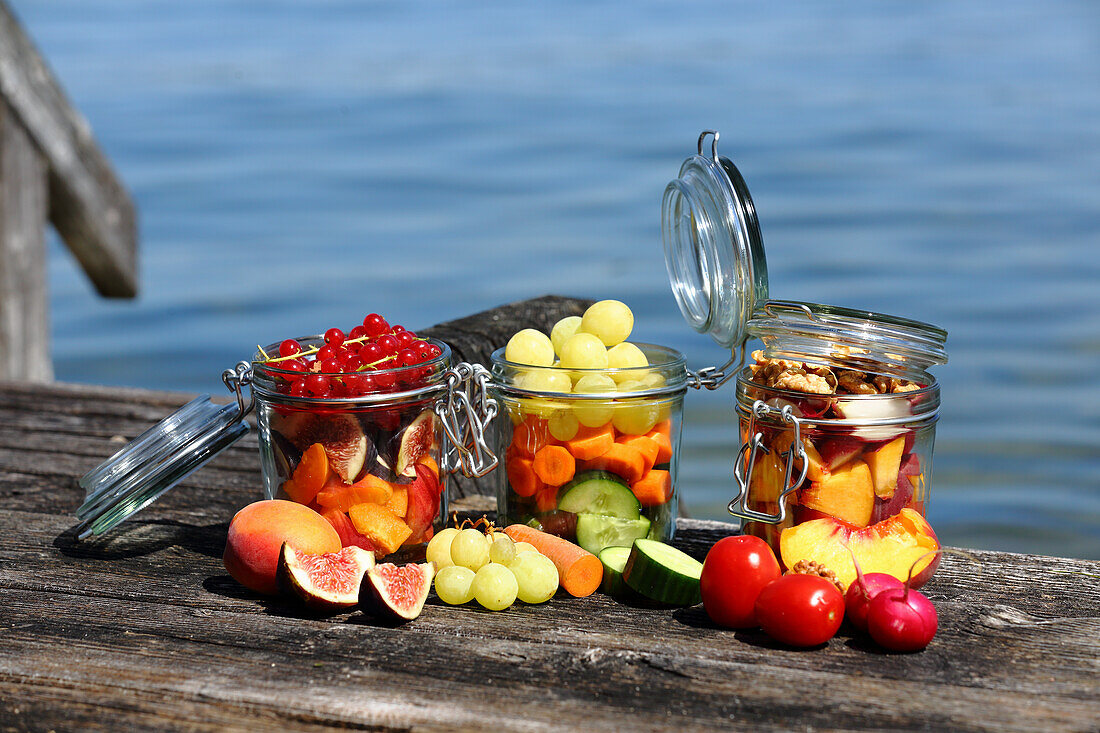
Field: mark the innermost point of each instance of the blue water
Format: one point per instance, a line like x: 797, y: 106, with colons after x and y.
x: 297, y: 165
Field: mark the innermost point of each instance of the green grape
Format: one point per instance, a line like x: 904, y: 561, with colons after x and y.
x: 593, y: 413
x: 537, y: 577
x: 453, y: 585
x: 636, y: 419
x: 530, y: 347
x: 563, y: 330
x: 546, y: 380
x: 583, y: 351
x: 626, y: 356
x: 610, y: 320
x: 470, y: 549
x: 439, y: 548
x: 495, y: 587
x: 525, y: 547
x: 503, y: 549
x: 563, y: 425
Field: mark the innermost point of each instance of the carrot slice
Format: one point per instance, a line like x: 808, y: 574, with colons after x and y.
x: 654, y: 488
x: 591, y: 443
x: 521, y: 475
x: 310, y: 475
x: 662, y: 435
x: 645, y: 445
x: 531, y: 435
x: 620, y: 459
x: 341, y: 496
x: 547, y: 498
x: 579, y: 571
x: 554, y: 465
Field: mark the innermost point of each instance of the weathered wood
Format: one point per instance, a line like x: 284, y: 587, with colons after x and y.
x: 24, y: 311
x: 89, y: 207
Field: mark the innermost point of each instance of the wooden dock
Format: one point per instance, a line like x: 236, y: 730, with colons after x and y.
x: 144, y: 630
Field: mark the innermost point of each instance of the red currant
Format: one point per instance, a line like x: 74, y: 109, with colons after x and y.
x: 370, y: 353
x: 408, y: 357
x: 326, y: 352
x: 334, y: 337
x: 357, y: 333
x: 396, y: 329
x: 330, y: 366
x: 389, y: 344
x: 317, y: 385
x: 434, y: 351
x: 290, y: 347
x: 375, y: 325
x: 352, y: 364
x: 298, y: 389
x: 385, y: 379
x: 291, y: 365
x: 405, y: 338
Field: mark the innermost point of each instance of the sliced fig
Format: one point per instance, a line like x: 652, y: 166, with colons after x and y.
x: 326, y: 582
x: 380, y: 468
x: 345, y: 444
x: 417, y: 439
x: 396, y: 593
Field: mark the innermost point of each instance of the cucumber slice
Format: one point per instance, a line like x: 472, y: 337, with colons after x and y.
x: 599, y: 492
x: 662, y: 573
x: 597, y: 531
x: 614, y: 560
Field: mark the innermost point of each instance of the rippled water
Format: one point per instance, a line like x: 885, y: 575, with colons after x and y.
x: 299, y: 164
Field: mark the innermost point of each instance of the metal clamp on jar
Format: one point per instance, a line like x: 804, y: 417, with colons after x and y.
x: 837, y: 413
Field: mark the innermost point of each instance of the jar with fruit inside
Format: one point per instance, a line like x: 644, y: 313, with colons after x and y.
x: 348, y: 427
x: 852, y: 389
x: 591, y: 446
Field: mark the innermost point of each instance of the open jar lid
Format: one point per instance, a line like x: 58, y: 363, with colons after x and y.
x: 155, y: 461
x: 714, y: 251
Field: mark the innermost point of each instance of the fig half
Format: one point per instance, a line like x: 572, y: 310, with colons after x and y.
x: 396, y: 593
x: 416, y: 440
x: 345, y: 444
x: 328, y: 582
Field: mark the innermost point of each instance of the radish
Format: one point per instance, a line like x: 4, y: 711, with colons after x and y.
x: 902, y: 620
x: 863, y: 591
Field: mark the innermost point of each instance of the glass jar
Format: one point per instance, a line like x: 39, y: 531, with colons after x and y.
x: 370, y: 464
x: 837, y: 417
x: 601, y: 462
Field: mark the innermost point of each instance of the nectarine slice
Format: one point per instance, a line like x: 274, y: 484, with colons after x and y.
x: 847, y: 493
x: 885, y: 464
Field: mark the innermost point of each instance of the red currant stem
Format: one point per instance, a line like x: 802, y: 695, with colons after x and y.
x: 266, y: 357
x: 314, y: 350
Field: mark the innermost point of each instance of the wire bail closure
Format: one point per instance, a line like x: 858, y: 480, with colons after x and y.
x: 739, y: 504
x: 235, y: 381
x: 466, y: 411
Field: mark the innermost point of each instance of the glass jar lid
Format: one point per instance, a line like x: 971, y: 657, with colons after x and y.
x: 845, y: 338
x: 714, y: 251
x: 155, y: 461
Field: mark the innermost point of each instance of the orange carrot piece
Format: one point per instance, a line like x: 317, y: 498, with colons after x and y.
x: 621, y: 460
x: 554, y: 465
x: 654, y: 488
x: 591, y: 443
x: 662, y: 435
x: 310, y: 475
x: 579, y: 571
x: 521, y: 475
x: 547, y: 498
x: 399, y: 501
x: 531, y: 435
x: 341, y: 496
x: 645, y: 445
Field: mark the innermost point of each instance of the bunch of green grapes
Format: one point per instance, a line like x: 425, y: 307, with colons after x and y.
x: 491, y: 569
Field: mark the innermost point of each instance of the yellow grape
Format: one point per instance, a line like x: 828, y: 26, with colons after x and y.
x: 610, y: 320
x: 583, y: 351
x: 563, y: 425
x: 530, y: 346
x: 563, y: 330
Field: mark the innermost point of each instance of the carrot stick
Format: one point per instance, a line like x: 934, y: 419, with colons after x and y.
x: 662, y: 435
x: 547, y: 498
x: 521, y: 475
x: 554, y: 465
x: 579, y: 571
x: 620, y: 459
x: 645, y: 445
x: 654, y: 488
x: 591, y: 443
x: 531, y: 435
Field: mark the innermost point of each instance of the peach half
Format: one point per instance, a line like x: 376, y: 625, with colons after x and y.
x: 891, y: 546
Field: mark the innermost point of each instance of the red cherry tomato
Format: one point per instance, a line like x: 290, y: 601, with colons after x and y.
x: 800, y: 610
x: 735, y: 571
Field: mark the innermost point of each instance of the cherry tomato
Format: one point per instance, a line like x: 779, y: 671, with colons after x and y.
x: 800, y: 610
x: 735, y: 571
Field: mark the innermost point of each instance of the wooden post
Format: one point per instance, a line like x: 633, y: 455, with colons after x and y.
x: 24, y: 201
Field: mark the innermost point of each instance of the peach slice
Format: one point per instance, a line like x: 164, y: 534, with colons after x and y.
x: 835, y: 452
x: 885, y: 464
x: 891, y: 546
x: 816, y: 470
x: 847, y: 493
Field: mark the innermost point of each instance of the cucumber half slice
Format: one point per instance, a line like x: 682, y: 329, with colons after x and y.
x: 599, y: 492
x: 662, y: 573
x: 597, y: 531
x: 614, y: 560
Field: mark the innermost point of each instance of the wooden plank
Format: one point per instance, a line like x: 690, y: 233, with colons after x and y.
x: 89, y: 206
x: 148, y: 618
x: 24, y: 310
